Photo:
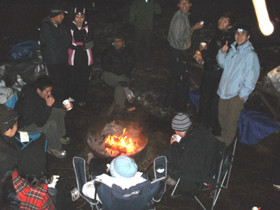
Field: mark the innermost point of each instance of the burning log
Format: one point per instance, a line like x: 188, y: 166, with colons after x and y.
x: 116, y: 148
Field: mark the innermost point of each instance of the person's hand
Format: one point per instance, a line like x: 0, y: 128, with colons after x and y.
x: 173, y: 139
x: 197, y: 26
x: 198, y: 57
x: 49, y: 100
x: 225, y: 47
x: 242, y: 99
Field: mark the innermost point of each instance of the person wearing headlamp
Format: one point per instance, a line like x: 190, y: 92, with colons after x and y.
x: 241, y: 72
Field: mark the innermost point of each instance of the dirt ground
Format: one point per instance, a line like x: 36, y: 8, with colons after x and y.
x: 249, y: 183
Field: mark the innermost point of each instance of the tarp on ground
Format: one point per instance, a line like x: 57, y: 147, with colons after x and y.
x: 254, y: 126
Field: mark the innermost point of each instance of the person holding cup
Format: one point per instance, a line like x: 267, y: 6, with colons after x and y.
x: 179, y: 38
x: 40, y: 111
x: 193, y: 148
x: 208, y: 102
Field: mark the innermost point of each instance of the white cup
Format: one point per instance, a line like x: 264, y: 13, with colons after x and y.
x: 203, y: 44
x: 177, y: 137
x: 201, y: 22
x: 67, y: 104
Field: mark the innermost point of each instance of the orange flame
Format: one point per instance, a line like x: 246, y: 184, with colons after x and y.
x: 122, y: 141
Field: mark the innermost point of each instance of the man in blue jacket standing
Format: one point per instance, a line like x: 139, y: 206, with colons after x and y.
x: 241, y: 72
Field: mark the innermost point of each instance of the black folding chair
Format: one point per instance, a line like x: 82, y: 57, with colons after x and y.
x: 221, y: 178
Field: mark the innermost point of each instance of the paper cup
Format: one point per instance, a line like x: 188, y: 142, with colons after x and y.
x: 177, y: 137
x: 203, y: 44
x: 67, y: 104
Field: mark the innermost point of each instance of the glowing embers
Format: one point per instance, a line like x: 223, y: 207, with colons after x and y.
x: 120, y: 144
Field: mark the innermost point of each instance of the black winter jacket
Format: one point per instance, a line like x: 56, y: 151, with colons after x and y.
x: 118, y: 62
x: 32, y: 108
x: 216, y: 43
x: 195, y: 155
x: 54, y: 42
x: 9, y: 154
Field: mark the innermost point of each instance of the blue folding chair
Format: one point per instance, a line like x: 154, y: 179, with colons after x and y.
x: 11, y: 102
x: 32, y: 136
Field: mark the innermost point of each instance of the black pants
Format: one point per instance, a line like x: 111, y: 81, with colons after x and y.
x: 78, y: 82
x: 209, y: 99
x: 59, y: 75
x: 142, y: 47
x: 179, y: 84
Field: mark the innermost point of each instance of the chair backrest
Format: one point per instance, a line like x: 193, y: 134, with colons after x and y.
x: 80, y: 172
x: 11, y: 102
x: 25, y: 138
x: 136, y: 197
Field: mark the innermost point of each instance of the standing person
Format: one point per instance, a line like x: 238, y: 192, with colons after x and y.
x: 141, y: 17
x: 208, y: 103
x: 241, y: 72
x: 117, y: 63
x: 179, y: 38
x: 80, y: 56
x: 54, y: 41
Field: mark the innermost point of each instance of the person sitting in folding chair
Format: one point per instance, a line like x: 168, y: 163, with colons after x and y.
x: 125, y: 188
x: 191, y: 156
x: 123, y: 172
x: 40, y: 111
x: 10, y: 147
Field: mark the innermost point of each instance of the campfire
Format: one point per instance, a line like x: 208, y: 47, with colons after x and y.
x: 123, y: 144
x: 117, y: 138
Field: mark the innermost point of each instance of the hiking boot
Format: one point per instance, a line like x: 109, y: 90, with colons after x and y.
x: 65, y: 140
x: 59, y: 153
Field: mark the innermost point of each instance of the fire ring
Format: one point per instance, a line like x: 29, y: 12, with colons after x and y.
x: 119, y: 138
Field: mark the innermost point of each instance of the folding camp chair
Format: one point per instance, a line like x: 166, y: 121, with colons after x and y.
x: 29, y: 136
x: 221, y: 178
x: 138, y: 197
x: 11, y: 102
x: 25, y: 138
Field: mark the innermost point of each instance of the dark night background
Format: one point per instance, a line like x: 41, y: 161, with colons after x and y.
x: 249, y: 184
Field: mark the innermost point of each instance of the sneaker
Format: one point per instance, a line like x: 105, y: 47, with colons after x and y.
x: 65, y: 140
x: 59, y: 153
x: 75, y: 194
x: 130, y: 97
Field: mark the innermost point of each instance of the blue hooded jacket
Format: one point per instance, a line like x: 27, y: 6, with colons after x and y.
x: 241, y: 71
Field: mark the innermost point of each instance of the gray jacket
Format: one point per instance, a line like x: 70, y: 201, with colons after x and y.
x: 180, y: 32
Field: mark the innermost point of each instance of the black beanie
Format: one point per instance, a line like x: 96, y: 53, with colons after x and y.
x: 8, y: 117
x: 56, y: 9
